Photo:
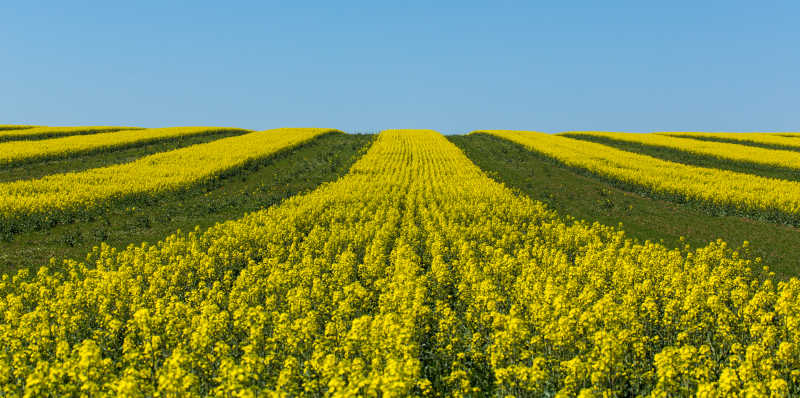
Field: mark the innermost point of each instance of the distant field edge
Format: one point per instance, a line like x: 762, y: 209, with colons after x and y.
x: 40, y: 133
x: 760, y: 161
x: 4, y: 127
x: 17, y: 153
x: 784, y: 141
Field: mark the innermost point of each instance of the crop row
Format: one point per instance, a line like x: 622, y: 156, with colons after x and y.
x: 19, y: 152
x: 62, y: 198
x: 786, y: 141
x: 716, y: 191
x: 719, y: 150
x: 415, y: 274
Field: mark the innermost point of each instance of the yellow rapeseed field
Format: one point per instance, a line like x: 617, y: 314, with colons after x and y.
x: 719, y: 191
x: 35, y: 132
x: 14, y: 127
x: 413, y: 275
x: 720, y: 150
x: 781, y: 140
x: 63, y: 198
x: 17, y: 152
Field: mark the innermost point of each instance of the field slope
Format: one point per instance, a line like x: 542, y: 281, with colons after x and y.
x: 414, y: 274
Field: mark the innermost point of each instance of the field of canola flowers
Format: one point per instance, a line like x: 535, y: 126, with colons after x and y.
x: 16, y: 152
x: 63, y: 198
x: 415, y: 274
x: 720, y: 191
x: 721, y: 150
x: 17, y: 133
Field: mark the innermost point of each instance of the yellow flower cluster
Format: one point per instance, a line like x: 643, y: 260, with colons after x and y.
x: 720, y: 150
x: 715, y: 190
x: 47, y: 132
x: 16, y: 152
x: 59, y: 198
x: 413, y: 275
x: 785, y: 140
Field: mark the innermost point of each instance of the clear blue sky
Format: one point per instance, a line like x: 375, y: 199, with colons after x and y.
x: 453, y: 66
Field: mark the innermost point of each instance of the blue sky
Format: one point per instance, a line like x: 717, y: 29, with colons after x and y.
x: 452, y: 66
